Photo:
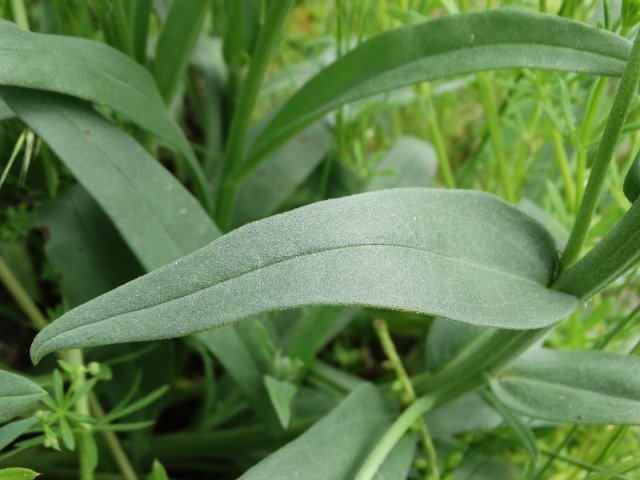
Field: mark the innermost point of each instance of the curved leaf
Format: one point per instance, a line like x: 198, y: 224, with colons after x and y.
x: 91, y: 71
x: 450, y: 45
x: 464, y: 255
x: 577, y: 387
x: 18, y: 395
x: 157, y: 217
x: 631, y: 185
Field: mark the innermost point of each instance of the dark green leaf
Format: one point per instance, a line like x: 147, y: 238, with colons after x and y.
x: 464, y: 255
x: 631, y: 185
x: 84, y: 247
x: 450, y: 45
x: 18, y: 395
x: 578, y: 387
x: 345, y: 436
x: 157, y: 217
x: 175, y: 44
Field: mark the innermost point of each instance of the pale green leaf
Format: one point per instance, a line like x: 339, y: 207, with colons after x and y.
x: 281, y: 394
x: 17, y: 473
x: 451, y: 45
x: 159, y: 220
x: 573, y: 386
x: 11, y: 431
x: 18, y: 395
x: 464, y: 255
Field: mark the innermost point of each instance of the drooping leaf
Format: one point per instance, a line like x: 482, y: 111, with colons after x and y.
x: 573, y: 386
x: 464, y: 255
x: 84, y: 247
x: 450, y: 45
x: 345, y: 436
x: 157, y: 217
x: 18, y: 395
x: 92, y: 71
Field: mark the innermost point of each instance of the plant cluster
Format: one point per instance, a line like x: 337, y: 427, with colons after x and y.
x: 269, y: 239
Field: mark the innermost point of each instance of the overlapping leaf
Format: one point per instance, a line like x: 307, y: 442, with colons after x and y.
x: 451, y: 45
x: 18, y: 395
x: 463, y: 255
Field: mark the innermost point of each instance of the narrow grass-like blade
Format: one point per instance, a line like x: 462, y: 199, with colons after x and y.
x: 464, y: 255
x: 18, y: 395
x: 577, y: 387
x: 447, y: 46
x: 157, y: 217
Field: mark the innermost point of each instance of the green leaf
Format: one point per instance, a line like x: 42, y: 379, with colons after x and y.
x: 277, y: 178
x: 451, y: 45
x: 18, y: 395
x: 281, y: 394
x: 176, y: 42
x: 17, y: 473
x: 11, y: 431
x: 631, y: 185
x: 157, y: 217
x: 614, y: 255
x: 345, y: 436
x: 410, y: 163
x: 89, y: 70
x: 578, y: 387
x: 67, y: 434
x: 157, y: 472
x: 464, y: 255
x: 84, y: 247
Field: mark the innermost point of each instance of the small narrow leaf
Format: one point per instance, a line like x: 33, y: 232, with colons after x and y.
x: 13, y: 430
x: 157, y: 217
x: 447, y: 46
x: 464, y: 255
x: 281, y: 394
x: 18, y: 395
x: 18, y: 473
x: 578, y: 387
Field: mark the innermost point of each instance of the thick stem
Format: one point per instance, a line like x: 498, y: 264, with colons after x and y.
x: 603, y: 157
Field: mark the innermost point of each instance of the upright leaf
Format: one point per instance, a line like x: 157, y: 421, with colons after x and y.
x: 578, y: 387
x: 463, y: 255
x: 18, y: 395
x: 157, y: 217
x: 450, y: 45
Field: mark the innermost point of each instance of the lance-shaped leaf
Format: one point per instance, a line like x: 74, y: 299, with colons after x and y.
x: 577, y: 387
x: 18, y: 395
x: 450, y: 45
x: 92, y: 71
x: 157, y: 217
x: 463, y: 255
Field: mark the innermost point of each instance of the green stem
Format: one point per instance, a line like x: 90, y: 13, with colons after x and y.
x: 603, y: 157
x: 620, y: 468
x: 391, y: 438
x: 266, y: 44
x: 495, y: 133
x: 392, y: 354
x: 437, y: 137
x: 592, y: 103
x: 20, y: 14
x: 21, y: 296
x: 563, y: 164
x: 85, y: 440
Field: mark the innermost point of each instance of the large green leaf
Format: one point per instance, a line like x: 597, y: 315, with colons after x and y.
x: 450, y: 45
x: 92, y: 71
x: 463, y: 255
x: 157, y: 217
x: 18, y: 395
x: 345, y: 436
x: 577, y: 387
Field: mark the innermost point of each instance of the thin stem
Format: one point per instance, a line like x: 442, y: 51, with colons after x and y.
x: 21, y: 296
x: 85, y: 440
x: 563, y: 164
x: 266, y: 44
x: 620, y: 468
x: 495, y: 134
x: 113, y: 443
x: 437, y: 137
x: 20, y: 14
x: 603, y: 157
x: 391, y: 438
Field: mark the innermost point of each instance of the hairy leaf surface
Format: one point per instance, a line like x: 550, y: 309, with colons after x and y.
x: 18, y: 395
x: 463, y: 255
x: 158, y: 218
x: 577, y: 387
x: 450, y: 45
